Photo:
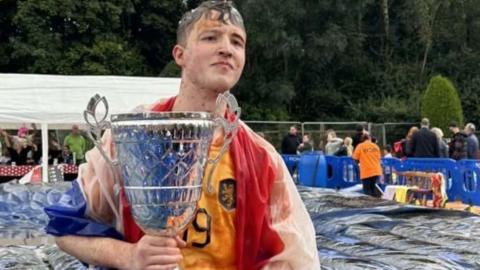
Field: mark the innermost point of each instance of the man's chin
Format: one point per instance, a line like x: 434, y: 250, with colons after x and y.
x: 222, y: 86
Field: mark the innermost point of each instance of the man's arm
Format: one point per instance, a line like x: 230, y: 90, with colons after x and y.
x: 293, y: 224
x: 151, y: 251
x: 99, y: 251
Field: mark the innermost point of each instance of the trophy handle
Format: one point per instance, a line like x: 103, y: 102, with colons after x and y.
x: 95, y: 126
x: 227, y: 114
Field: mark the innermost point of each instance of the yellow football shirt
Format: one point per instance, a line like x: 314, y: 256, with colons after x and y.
x: 210, y: 236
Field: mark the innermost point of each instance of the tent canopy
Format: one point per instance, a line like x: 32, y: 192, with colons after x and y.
x: 55, y: 99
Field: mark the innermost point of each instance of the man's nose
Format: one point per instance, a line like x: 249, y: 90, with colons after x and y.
x: 225, y: 47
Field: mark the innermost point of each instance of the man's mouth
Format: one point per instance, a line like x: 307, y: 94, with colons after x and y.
x: 224, y: 64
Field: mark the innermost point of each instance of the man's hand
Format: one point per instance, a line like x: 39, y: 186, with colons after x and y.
x: 156, y: 253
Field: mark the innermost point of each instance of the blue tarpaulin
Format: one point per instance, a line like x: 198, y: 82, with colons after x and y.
x: 353, y: 231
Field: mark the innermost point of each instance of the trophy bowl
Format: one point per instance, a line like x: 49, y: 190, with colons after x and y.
x: 161, y: 158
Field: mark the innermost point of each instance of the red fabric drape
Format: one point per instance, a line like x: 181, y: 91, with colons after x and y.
x: 256, y: 241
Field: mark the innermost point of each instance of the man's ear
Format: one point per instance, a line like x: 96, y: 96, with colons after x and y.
x: 178, y: 55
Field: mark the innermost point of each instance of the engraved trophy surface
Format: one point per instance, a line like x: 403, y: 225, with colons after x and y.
x: 161, y: 157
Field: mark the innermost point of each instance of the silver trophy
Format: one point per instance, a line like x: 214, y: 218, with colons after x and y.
x: 160, y: 158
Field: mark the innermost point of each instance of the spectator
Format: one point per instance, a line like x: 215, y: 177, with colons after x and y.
x: 424, y: 142
x: 387, y: 151
x: 367, y: 154
x: 76, y: 143
x: 54, y: 151
x: 458, y: 144
x: 356, y: 138
x: 402, y: 147
x: 37, y: 140
x: 346, y: 149
x: 442, y: 145
x: 67, y: 157
x: 472, y: 141
x: 333, y: 143
x: 18, y: 146
x: 306, y: 145
x: 291, y: 142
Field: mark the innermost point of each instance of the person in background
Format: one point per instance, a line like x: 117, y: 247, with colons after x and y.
x: 77, y: 144
x: 18, y: 146
x: 387, y: 151
x: 368, y: 155
x: 356, y: 138
x: 306, y: 145
x: 346, y: 149
x: 290, y: 142
x: 36, y: 136
x: 457, y: 148
x: 333, y: 143
x: 67, y: 157
x: 472, y: 141
x: 54, y: 151
x: 443, y: 146
x: 424, y: 143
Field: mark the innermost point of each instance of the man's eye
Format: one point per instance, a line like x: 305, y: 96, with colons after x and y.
x: 237, y: 43
x: 209, y: 38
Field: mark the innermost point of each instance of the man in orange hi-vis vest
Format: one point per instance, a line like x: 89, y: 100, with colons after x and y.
x: 254, y: 217
x: 368, y: 155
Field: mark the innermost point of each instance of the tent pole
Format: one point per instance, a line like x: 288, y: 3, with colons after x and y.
x: 45, y: 152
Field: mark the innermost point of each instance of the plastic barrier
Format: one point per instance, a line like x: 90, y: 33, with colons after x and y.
x: 292, y: 162
x: 349, y: 173
x: 332, y: 172
x: 317, y: 170
x: 448, y: 167
x: 312, y: 170
x: 468, y: 185
x: 389, y: 166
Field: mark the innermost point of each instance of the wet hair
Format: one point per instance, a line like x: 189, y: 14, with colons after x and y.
x: 227, y: 14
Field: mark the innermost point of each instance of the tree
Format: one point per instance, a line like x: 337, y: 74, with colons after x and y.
x: 440, y: 103
x: 114, y: 37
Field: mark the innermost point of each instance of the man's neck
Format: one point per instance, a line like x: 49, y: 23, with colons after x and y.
x: 191, y: 98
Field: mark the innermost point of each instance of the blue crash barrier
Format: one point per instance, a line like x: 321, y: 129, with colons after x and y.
x: 448, y: 167
x: 291, y: 161
x: 317, y: 170
x: 312, y: 170
x: 468, y: 188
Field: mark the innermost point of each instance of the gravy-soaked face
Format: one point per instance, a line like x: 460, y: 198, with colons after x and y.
x: 214, y: 54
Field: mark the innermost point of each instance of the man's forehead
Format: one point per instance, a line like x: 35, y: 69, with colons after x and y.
x: 212, y: 22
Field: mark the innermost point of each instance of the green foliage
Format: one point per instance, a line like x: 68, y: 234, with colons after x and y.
x: 171, y: 70
x: 91, y: 37
x: 310, y: 60
x: 441, y: 104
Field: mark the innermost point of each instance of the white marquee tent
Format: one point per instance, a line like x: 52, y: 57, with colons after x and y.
x: 54, y: 100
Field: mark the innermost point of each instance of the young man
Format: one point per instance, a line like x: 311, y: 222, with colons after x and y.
x: 265, y: 226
